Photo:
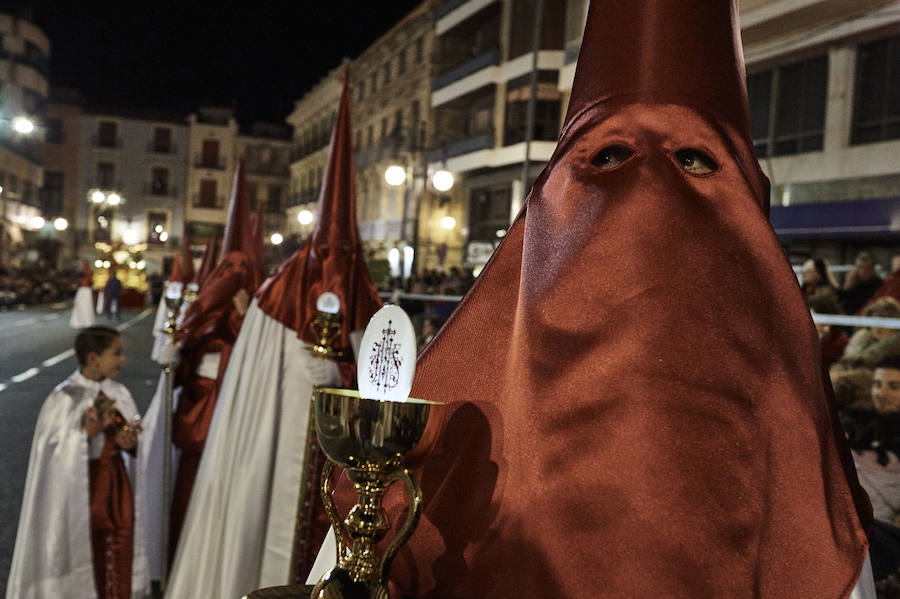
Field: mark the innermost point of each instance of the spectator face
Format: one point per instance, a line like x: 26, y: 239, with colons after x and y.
x: 886, y: 389
x: 865, y: 268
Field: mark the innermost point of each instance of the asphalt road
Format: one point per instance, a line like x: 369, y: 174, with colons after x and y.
x: 35, y: 356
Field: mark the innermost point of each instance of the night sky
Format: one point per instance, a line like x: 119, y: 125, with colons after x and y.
x: 169, y: 55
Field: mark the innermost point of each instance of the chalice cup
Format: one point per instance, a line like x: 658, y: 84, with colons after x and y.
x: 373, y: 441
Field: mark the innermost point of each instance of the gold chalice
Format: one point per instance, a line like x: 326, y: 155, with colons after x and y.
x: 326, y: 327
x: 374, y: 441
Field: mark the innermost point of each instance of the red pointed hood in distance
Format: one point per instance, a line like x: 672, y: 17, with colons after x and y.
x: 175, y: 275
x: 187, y: 262
x: 208, y: 261
x: 636, y: 401
x: 88, y: 279
x: 332, y: 258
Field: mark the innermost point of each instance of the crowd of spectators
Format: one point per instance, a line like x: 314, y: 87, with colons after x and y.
x: 29, y: 287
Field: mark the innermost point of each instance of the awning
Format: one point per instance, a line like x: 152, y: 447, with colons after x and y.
x: 853, y: 218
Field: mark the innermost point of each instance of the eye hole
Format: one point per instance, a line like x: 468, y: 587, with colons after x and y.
x: 696, y: 162
x: 612, y: 157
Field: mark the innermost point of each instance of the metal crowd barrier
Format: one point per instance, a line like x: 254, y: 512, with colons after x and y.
x: 857, y: 321
x: 396, y: 296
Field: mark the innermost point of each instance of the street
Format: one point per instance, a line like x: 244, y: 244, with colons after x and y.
x: 36, y: 355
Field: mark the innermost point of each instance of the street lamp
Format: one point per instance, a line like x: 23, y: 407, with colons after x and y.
x: 305, y: 217
x: 114, y: 199
x: 60, y: 224
x: 23, y: 125
x: 276, y: 238
x: 395, y: 175
x: 98, y: 197
x: 448, y: 223
x: 37, y: 222
x: 442, y: 180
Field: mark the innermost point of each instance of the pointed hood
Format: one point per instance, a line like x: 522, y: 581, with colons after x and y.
x: 238, y: 235
x: 187, y: 262
x: 175, y: 275
x: 208, y: 261
x: 332, y: 259
x: 259, y: 237
x: 88, y: 279
x: 635, y: 375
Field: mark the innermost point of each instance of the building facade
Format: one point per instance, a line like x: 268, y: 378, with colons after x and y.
x: 489, y: 56
x: 24, y: 68
x: 266, y: 149
x: 133, y: 184
x: 61, y: 194
x: 212, y: 159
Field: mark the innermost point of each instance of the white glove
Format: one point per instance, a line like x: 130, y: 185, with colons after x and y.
x: 170, y: 353
x: 322, y: 373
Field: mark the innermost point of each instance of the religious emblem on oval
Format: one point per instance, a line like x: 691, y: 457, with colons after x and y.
x: 387, y: 360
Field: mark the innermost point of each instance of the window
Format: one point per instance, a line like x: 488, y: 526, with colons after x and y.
x: 362, y: 89
x: 106, y: 175
x: 162, y: 140
x: 210, y: 155
x: 369, y: 135
x: 401, y: 62
x: 159, y: 181
x: 107, y: 134
x: 52, y: 193
x: 384, y: 130
x: 792, y: 119
x: 876, y: 97
x: 420, y: 49
x: 54, y: 131
x: 417, y: 130
x: 207, y: 197
x: 398, y: 121
x: 156, y: 226
x: 387, y: 72
x: 274, y: 202
x: 373, y: 85
x: 546, y: 121
x: 358, y: 144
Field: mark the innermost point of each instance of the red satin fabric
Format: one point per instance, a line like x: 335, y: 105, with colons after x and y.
x: 207, y: 262
x: 636, y: 399
x: 258, y: 227
x: 88, y: 279
x: 332, y: 260
x: 112, y: 522
x: 187, y: 263
x: 238, y: 234
x: 175, y: 275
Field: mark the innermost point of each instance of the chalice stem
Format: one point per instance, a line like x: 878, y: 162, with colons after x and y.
x: 412, y: 519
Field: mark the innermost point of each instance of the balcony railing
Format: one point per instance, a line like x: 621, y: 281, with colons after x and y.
x: 473, y: 143
x: 445, y: 8
x: 473, y: 65
x: 155, y: 148
x: 165, y: 191
x: 299, y: 198
x: 198, y: 202
x: 201, y: 161
x: 105, y: 142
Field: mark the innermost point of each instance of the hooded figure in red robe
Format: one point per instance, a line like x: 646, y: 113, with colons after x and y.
x: 207, y: 262
x: 637, y: 406
x: 256, y: 515
x: 211, y: 326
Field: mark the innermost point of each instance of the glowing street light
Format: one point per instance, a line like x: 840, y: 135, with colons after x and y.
x: 114, y: 199
x: 442, y: 180
x: 305, y: 217
x: 106, y: 264
x: 98, y: 197
x: 23, y: 125
x: 164, y: 236
x: 37, y: 222
x: 98, y: 263
x: 395, y: 175
x: 277, y: 238
x: 158, y: 228
x: 130, y: 237
x: 448, y: 223
x: 60, y: 224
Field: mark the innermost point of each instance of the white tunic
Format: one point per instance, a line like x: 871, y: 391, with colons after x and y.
x: 52, y: 555
x: 83, y: 309
x: 239, y: 529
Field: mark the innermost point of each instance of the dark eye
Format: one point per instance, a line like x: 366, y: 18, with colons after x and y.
x: 695, y: 162
x: 612, y: 157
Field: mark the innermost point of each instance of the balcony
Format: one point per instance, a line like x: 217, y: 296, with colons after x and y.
x: 483, y: 60
x: 303, y: 197
x: 477, y: 141
x: 217, y: 203
x: 158, y: 148
x: 201, y: 161
x: 445, y: 8
x: 163, y: 191
x: 111, y: 143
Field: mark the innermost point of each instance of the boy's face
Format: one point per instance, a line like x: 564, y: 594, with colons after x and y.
x: 110, y: 361
x: 886, y: 389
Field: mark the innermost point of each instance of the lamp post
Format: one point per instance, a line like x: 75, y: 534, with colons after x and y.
x: 22, y: 126
x: 396, y: 175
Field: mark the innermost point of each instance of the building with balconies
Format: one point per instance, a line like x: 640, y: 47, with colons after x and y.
x: 133, y: 184
x: 60, y: 195
x: 212, y: 160
x: 24, y: 68
x: 266, y: 149
x: 822, y: 79
x: 312, y: 121
x: 484, y: 60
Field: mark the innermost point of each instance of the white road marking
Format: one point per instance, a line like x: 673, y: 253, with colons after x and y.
x: 50, y: 317
x: 2, y: 387
x: 58, y: 358
x: 25, y: 375
x: 135, y: 320
x: 22, y: 323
